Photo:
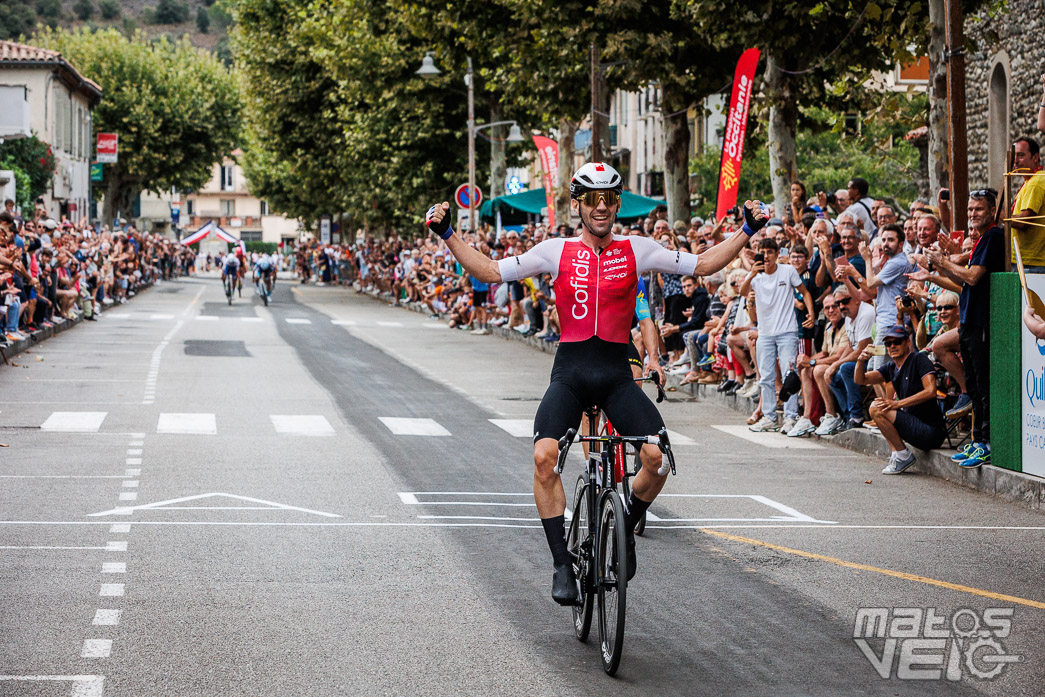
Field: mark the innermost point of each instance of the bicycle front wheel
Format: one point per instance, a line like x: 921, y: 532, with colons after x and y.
x: 611, y: 558
x: 578, y: 533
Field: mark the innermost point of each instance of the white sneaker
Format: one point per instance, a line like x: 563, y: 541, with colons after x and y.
x: 680, y: 370
x: 803, y: 428
x: 897, y: 465
x: 827, y: 424
x: 750, y: 389
x: 107, y: 300
x: 789, y: 423
x: 478, y: 331
x: 683, y: 360
x: 765, y: 424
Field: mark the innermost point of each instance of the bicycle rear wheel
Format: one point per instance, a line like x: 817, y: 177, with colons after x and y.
x: 611, y: 558
x: 577, y: 534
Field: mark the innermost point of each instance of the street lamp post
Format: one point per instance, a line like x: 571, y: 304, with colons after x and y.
x: 428, y: 70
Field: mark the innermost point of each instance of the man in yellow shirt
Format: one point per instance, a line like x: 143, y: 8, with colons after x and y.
x: 1030, y: 205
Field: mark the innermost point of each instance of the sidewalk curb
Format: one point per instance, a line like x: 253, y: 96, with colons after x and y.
x: 16, y: 347
x: 1006, y: 484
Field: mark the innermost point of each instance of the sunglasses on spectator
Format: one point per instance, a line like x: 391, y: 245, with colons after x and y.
x: 893, y: 342
x: 983, y: 193
x: 591, y: 198
x: 946, y: 308
x: 830, y: 307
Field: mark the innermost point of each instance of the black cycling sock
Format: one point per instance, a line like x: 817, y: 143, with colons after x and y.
x: 636, y: 507
x: 555, y: 531
x: 749, y: 377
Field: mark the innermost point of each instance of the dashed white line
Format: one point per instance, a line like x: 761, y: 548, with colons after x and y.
x: 111, y: 590
x: 130, y: 484
x: 133, y: 472
x: 298, y: 320
x: 302, y: 425
x: 116, y: 546
x: 413, y: 427
x: 128, y: 495
x: 106, y: 617
x: 120, y: 527
x: 114, y: 567
x: 96, y: 648
x: 134, y: 461
x: 390, y: 324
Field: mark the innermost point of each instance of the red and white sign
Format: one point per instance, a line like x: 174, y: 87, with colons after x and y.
x: 548, y: 149
x: 464, y: 200
x: 736, y: 128
x: 107, y: 147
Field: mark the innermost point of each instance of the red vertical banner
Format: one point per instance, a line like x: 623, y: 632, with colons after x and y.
x: 549, y: 152
x: 736, y: 128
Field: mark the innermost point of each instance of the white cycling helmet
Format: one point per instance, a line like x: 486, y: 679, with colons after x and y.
x: 593, y: 176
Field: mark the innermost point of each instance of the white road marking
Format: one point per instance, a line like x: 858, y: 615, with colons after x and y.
x: 130, y: 484
x: 199, y: 424
x: 302, y: 425
x: 390, y: 324
x: 134, y: 451
x: 74, y: 421
x: 770, y: 439
x: 166, y: 505
x: 132, y: 472
x: 413, y: 427
x: 120, y: 527
x: 106, y: 617
x: 298, y: 320
x: 41, y: 547
x: 117, y: 315
x: 161, y: 316
x: 434, y: 325
x: 96, y: 648
x: 111, y: 590
x: 206, y: 318
x: 114, y: 567
x: 83, y: 685
x: 128, y: 496
x: 344, y: 322
x: 136, y: 443
x: 134, y: 461
x: 676, y: 438
x: 520, y: 428
x: 116, y: 546
x: 252, y: 319
x: 60, y: 476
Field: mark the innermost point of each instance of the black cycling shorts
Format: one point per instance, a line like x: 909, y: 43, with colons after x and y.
x: 594, y: 372
x: 633, y: 355
x: 479, y: 297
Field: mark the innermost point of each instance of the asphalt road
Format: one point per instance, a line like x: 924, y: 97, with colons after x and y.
x: 200, y: 499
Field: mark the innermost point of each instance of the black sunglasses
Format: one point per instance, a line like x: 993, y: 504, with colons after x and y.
x: 894, y: 342
x: 948, y: 308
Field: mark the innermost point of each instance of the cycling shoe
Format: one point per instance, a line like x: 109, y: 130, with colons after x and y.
x: 564, y: 585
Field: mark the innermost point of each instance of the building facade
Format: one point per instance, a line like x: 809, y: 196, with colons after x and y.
x: 226, y: 200
x: 43, y: 94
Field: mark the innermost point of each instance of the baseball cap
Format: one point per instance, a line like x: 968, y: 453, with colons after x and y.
x: 897, y: 332
x: 49, y: 224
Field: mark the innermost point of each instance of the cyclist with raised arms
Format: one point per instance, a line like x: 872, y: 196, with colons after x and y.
x: 596, y: 279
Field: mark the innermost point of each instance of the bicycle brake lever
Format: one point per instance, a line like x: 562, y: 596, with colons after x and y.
x: 564, y: 449
x: 665, y: 447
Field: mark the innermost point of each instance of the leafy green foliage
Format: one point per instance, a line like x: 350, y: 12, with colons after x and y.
x: 17, y: 18
x: 109, y: 9
x: 84, y: 9
x: 261, y: 247
x: 828, y: 161
x: 171, y: 12
x: 202, y: 19
x: 50, y: 10
x: 23, y: 198
x: 34, y: 158
x: 176, y: 108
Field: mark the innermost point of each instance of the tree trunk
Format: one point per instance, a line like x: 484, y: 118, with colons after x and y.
x: 676, y: 158
x: 938, y: 170
x: 567, y: 131
x: 498, y: 166
x: 783, y: 122
x: 119, y: 198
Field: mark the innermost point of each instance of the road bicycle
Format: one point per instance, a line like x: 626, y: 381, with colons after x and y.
x: 230, y: 286
x: 261, y: 287
x: 596, y: 537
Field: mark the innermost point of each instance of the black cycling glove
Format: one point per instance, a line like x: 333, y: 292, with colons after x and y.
x: 751, y: 224
x: 441, y: 228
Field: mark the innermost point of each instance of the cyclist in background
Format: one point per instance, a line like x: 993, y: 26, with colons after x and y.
x: 230, y: 266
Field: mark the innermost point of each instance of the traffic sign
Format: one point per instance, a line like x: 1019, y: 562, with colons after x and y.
x: 107, y: 147
x: 461, y: 196
x: 96, y: 171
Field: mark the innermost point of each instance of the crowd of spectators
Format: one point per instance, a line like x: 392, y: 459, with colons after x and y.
x: 53, y: 271
x: 845, y: 312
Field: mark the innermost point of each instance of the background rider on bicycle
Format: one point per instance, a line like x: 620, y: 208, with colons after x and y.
x: 595, y: 280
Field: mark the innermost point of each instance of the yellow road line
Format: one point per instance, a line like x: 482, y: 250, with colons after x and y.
x: 864, y: 567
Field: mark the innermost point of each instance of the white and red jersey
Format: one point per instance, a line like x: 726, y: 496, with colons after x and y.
x: 595, y: 293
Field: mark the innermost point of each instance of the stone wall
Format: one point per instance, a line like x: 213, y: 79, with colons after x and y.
x: 1009, y: 42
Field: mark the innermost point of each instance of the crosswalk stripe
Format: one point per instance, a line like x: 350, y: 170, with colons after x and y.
x: 344, y: 322
x: 434, y: 325
x: 160, y: 316
x: 413, y: 427
x: 677, y: 438
x: 74, y: 421
x: 298, y: 320
x: 390, y: 324
x: 206, y: 318
x: 252, y: 319
x: 116, y: 315
x: 199, y: 424
x: 302, y: 425
x: 770, y: 439
x: 520, y: 428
